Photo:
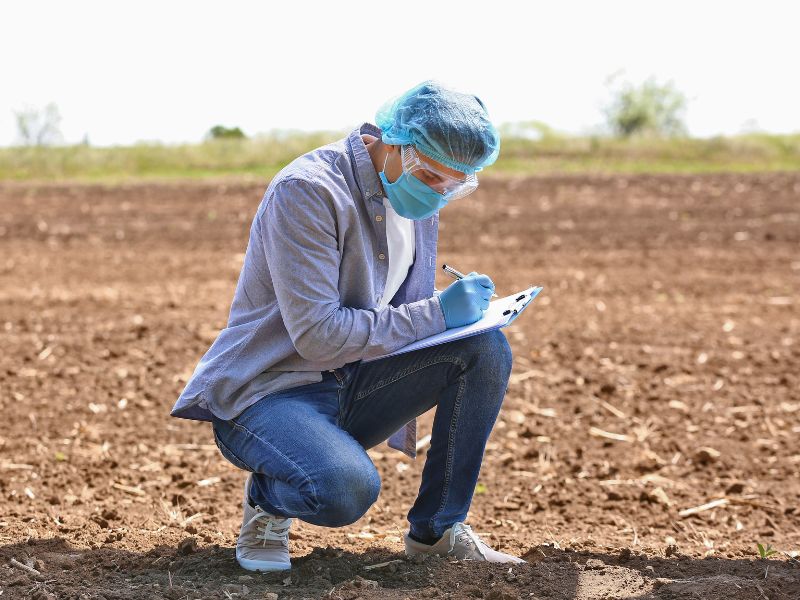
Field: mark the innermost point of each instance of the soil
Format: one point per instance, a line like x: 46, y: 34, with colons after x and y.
x: 658, y: 372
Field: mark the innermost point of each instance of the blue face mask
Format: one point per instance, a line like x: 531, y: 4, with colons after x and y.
x: 409, y: 197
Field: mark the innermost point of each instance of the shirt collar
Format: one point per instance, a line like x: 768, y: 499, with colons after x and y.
x: 367, y: 177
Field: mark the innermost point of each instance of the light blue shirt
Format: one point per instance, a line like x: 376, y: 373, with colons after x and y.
x: 313, y: 276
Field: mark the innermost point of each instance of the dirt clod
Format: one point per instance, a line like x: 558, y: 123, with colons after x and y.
x: 706, y: 455
x: 187, y: 546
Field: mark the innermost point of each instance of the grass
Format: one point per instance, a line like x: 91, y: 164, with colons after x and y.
x: 747, y: 153
x: 264, y: 156
x: 765, y: 552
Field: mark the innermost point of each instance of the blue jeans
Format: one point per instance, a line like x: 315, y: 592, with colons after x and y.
x: 306, y: 446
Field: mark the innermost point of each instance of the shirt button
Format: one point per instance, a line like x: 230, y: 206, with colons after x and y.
x: 381, y: 256
x: 379, y: 218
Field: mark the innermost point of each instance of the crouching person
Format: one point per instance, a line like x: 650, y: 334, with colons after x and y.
x: 339, y: 269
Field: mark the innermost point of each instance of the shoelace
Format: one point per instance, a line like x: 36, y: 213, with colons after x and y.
x: 273, y: 530
x: 466, y: 535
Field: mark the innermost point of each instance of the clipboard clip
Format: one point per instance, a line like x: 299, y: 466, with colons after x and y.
x: 519, y: 304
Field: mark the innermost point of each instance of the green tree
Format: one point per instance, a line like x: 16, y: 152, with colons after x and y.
x: 39, y: 127
x: 650, y: 108
x: 220, y: 132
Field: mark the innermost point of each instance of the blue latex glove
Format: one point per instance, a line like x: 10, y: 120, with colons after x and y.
x: 464, y: 301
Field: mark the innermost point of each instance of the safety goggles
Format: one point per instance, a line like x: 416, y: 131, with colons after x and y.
x: 447, y: 185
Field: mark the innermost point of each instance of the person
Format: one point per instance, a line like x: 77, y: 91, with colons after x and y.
x: 340, y: 268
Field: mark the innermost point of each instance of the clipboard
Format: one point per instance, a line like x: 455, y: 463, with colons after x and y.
x: 500, y: 313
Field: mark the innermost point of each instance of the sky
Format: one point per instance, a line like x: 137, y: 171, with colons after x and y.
x: 122, y: 72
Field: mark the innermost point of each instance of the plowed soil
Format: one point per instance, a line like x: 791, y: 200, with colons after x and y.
x: 649, y: 440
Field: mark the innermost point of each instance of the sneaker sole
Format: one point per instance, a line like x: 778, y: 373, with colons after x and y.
x: 262, y: 565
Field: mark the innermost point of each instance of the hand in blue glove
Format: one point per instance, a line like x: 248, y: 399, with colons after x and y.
x: 464, y: 301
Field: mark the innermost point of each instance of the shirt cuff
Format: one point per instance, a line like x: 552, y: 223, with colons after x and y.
x: 427, y: 317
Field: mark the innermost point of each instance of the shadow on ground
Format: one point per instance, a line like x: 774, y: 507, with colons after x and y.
x: 57, y: 570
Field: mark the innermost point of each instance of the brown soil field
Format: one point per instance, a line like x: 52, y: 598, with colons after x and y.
x: 650, y: 436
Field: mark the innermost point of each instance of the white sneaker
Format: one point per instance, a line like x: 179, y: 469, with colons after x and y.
x: 462, y: 543
x: 263, y: 543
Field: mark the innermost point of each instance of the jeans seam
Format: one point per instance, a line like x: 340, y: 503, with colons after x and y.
x: 220, y: 444
x: 339, y: 413
x: 405, y: 372
x: 450, y: 445
x: 305, y: 475
x: 341, y: 384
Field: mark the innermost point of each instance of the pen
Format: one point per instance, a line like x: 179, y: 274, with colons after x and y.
x: 455, y: 274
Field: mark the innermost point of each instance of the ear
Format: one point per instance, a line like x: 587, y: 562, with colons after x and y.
x: 391, y: 150
x: 392, y: 165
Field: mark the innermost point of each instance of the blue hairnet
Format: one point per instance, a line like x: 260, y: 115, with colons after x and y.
x: 447, y: 126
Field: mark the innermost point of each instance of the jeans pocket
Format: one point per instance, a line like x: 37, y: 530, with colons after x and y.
x: 229, y: 454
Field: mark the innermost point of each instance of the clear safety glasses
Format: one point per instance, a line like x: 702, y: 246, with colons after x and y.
x: 451, y: 187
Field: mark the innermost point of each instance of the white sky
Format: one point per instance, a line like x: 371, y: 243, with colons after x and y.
x: 168, y: 70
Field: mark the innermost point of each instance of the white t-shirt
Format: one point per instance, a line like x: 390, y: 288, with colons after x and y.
x: 400, y: 241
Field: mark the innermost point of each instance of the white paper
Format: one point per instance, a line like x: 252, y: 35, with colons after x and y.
x: 493, y: 318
